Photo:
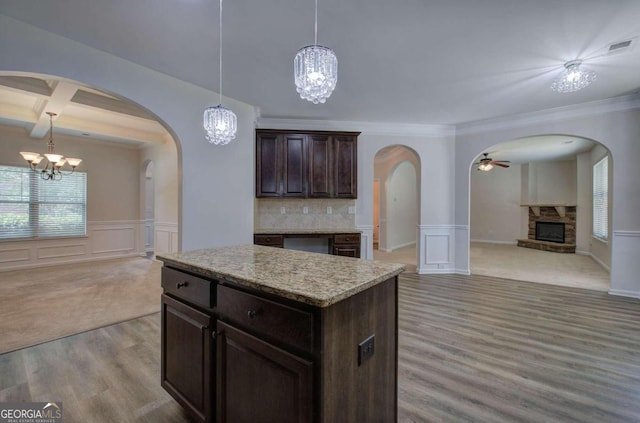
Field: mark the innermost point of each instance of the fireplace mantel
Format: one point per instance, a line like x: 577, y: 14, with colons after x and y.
x: 561, y: 209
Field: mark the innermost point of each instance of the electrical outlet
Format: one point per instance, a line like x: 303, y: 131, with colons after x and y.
x: 329, y: 210
x: 366, y: 349
x: 305, y: 210
x: 283, y: 210
x: 352, y: 210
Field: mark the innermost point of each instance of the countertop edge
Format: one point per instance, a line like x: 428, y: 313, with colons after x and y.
x: 299, y: 297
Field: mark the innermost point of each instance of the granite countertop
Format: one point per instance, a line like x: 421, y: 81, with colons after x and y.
x: 310, y: 231
x: 311, y: 278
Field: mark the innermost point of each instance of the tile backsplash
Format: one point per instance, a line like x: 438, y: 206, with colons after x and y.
x: 268, y: 214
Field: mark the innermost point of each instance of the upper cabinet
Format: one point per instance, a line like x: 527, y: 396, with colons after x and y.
x: 306, y: 164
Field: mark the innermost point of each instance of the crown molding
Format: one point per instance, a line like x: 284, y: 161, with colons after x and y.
x: 366, y: 128
x: 614, y: 104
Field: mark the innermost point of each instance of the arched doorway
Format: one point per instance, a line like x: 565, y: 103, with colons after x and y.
x: 396, y: 204
x: 548, y: 186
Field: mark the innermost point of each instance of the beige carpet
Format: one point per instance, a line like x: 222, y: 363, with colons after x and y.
x: 43, y: 304
x: 524, y: 264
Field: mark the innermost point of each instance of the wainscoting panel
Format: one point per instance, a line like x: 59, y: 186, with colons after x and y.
x: 461, y: 241
x: 165, y: 237
x: 55, y: 251
x: 436, y: 249
x: 104, y: 240
x: 625, y: 266
x: 11, y: 255
x: 366, y: 241
x: 113, y: 240
x: 148, y: 235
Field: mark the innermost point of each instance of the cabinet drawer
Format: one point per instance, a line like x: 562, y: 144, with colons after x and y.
x: 191, y: 288
x: 346, y: 239
x: 271, y: 240
x: 266, y: 318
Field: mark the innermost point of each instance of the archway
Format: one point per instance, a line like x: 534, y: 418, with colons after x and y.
x: 116, y: 138
x: 396, y: 211
x: 549, y: 184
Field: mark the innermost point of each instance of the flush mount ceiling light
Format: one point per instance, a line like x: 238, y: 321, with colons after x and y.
x: 316, y: 70
x: 220, y: 123
x: 52, y: 169
x: 573, y: 78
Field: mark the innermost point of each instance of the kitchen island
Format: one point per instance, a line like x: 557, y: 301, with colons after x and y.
x: 260, y: 334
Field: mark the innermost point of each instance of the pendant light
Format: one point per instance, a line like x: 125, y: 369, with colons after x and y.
x: 316, y: 70
x: 219, y: 122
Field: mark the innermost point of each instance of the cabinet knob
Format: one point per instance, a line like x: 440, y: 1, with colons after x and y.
x: 268, y: 239
x: 213, y: 334
x: 182, y: 284
x: 346, y: 239
x: 252, y: 314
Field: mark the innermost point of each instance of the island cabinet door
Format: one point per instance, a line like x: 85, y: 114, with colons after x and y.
x: 188, y: 358
x: 260, y: 383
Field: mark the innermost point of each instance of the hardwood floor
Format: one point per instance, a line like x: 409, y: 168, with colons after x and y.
x: 472, y: 348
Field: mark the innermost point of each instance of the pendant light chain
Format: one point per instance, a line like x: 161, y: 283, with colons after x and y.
x: 220, y: 51
x: 315, y: 37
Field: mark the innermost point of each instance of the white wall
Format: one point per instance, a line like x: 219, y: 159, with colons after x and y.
x: 216, y: 183
x: 616, y: 124
x: 402, y: 206
x: 552, y: 182
x: 114, y: 223
x: 495, y: 205
x: 165, y: 182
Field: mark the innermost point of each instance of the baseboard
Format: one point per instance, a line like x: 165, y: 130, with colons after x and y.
x: 486, y: 241
x: 466, y: 272
x: 435, y: 271
x: 67, y: 262
x: 397, y: 247
x: 600, y: 262
x: 623, y: 293
x: 583, y: 253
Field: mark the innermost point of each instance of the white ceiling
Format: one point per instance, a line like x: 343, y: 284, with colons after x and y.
x: 407, y: 61
x: 411, y: 61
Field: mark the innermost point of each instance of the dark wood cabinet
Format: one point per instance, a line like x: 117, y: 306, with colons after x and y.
x: 254, y: 357
x: 347, y: 245
x: 187, y: 357
x: 345, y: 165
x: 258, y: 382
x: 308, y: 164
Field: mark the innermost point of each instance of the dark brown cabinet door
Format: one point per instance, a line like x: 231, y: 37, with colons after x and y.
x: 259, y: 383
x: 345, y: 165
x: 187, y: 358
x: 268, y: 165
x: 294, y: 181
x: 320, y: 168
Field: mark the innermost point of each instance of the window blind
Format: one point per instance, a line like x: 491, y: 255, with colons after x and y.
x: 31, y: 207
x: 601, y: 199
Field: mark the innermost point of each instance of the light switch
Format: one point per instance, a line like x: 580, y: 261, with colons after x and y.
x: 329, y: 210
x: 305, y: 210
x: 283, y: 210
x: 352, y: 210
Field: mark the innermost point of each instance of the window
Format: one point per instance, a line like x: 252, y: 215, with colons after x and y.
x: 601, y: 199
x: 31, y: 207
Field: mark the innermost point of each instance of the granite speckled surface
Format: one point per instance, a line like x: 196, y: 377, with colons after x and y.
x: 310, y: 231
x: 311, y: 278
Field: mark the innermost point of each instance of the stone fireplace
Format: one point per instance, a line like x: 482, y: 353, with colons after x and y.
x: 551, y: 228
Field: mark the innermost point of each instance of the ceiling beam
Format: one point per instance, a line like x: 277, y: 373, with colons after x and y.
x: 60, y: 96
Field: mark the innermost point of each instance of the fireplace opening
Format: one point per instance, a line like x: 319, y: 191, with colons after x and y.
x: 550, y: 231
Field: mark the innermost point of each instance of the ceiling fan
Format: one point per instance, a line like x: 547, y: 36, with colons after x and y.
x: 487, y: 163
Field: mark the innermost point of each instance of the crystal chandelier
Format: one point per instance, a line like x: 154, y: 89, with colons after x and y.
x: 573, y: 78
x: 220, y: 123
x: 54, y: 162
x: 316, y: 70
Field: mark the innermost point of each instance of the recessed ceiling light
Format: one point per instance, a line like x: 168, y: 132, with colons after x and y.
x: 567, y: 142
x: 86, y: 134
